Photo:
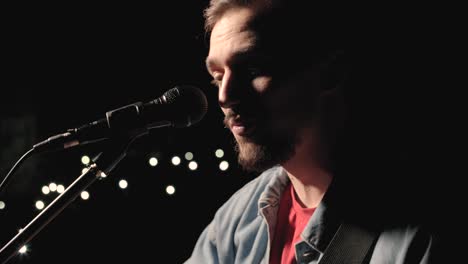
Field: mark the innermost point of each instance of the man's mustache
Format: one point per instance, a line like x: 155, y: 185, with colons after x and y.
x: 228, y: 118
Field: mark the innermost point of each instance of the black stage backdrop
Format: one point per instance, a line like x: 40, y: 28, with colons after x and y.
x: 63, y: 66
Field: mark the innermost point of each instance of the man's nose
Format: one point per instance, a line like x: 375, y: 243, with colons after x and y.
x: 229, y: 92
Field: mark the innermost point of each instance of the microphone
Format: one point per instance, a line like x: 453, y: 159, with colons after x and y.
x: 181, y: 106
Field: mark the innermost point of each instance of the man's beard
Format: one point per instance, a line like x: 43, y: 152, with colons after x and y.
x: 262, y: 150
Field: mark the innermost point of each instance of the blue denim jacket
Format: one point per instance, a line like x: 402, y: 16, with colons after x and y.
x: 242, y: 230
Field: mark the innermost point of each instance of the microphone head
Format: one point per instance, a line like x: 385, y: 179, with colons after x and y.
x: 188, y: 105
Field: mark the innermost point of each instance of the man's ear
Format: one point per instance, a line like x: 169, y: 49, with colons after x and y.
x: 334, y: 70
x: 331, y: 103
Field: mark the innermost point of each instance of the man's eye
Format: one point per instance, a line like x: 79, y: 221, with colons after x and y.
x: 254, y: 71
x: 259, y: 69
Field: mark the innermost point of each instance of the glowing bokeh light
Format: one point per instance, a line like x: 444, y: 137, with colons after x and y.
x: 219, y: 153
x: 175, y: 160
x: 85, y: 160
x: 84, y: 195
x: 45, y: 190
x: 153, y: 161
x: 123, y: 184
x: 60, y: 188
x: 224, y: 165
x: 23, y: 249
x: 189, y: 156
x: 40, y: 205
x: 170, y: 189
x: 52, y: 187
x: 193, y: 165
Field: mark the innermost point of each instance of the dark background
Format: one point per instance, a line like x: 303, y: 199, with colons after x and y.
x: 63, y: 66
x: 66, y: 66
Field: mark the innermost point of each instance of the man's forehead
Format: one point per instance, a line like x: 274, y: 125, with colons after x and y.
x: 228, y: 41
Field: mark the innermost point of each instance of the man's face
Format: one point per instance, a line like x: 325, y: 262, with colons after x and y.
x: 260, y: 108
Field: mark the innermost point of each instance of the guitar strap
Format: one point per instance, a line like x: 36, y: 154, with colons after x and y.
x: 349, y: 245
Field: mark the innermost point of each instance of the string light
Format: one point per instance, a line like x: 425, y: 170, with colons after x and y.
x: 153, y: 161
x: 123, y: 184
x: 52, y: 186
x: 170, y: 189
x: 85, y: 160
x: 23, y: 249
x: 175, y: 160
x: 189, y: 156
x: 219, y: 153
x: 45, y: 190
x: 224, y: 165
x: 60, y: 188
x: 40, y: 205
x: 84, y: 195
x: 193, y: 165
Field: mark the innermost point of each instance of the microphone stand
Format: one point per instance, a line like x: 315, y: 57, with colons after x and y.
x: 104, y: 162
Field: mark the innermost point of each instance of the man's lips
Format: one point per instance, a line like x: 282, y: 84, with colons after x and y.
x: 242, y: 127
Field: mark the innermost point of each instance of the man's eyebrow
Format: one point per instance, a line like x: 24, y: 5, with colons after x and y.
x: 238, y: 57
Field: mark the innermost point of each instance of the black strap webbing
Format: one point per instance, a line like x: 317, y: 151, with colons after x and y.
x: 349, y: 245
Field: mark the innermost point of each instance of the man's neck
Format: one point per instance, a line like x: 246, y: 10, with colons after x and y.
x: 309, y: 179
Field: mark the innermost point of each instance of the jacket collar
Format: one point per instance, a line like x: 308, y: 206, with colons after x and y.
x: 324, y: 222
x: 326, y: 219
x: 273, y: 190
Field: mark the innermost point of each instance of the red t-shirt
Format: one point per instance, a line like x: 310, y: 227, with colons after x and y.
x: 292, y: 218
